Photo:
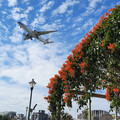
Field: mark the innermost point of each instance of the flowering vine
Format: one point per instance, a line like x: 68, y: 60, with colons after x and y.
x: 88, y: 65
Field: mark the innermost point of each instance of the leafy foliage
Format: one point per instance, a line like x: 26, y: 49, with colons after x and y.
x: 4, y: 117
x: 94, y: 64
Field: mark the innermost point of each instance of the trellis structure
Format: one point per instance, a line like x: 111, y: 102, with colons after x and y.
x: 93, y: 95
x: 93, y: 64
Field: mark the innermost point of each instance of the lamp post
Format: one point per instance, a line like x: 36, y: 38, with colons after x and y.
x: 32, y: 84
x: 26, y: 112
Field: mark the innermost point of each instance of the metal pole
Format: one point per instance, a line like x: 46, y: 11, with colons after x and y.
x: 26, y: 114
x: 29, y: 110
x: 89, y: 110
x: 116, y: 112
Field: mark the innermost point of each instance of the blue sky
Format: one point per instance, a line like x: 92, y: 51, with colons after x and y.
x: 20, y: 61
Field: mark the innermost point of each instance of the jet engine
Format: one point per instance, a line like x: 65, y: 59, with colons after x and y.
x: 35, y: 31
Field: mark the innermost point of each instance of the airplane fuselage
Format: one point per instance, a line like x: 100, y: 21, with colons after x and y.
x: 30, y: 31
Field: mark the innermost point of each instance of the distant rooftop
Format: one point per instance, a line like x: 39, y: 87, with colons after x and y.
x: 7, y: 112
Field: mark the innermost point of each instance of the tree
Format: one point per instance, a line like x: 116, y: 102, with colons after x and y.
x: 85, y: 113
x: 93, y: 64
x: 5, y: 118
x: 66, y: 116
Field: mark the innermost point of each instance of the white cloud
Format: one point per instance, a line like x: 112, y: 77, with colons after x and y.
x: 92, y: 3
x: 4, y: 12
x: 47, y: 6
x: 88, y: 23
x: 43, y: 1
x: 40, y: 19
x: 29, y: 9
x: 118, y: 3
x: 88, y: 11
x: 97, y: 12
x: 63, y: 8
x: 15, y: 97
x: 79, y: 19
x: 69, y: 12
x: 16, y: 36
x: 32, y: 60
x: 14, y: 13
x: 3, y: 26
x: 75, y: 33
x: 12, y: 3
x: 78, y: 29
x: 17, y: 13
x: 53, y: 26
x: 91, y: 8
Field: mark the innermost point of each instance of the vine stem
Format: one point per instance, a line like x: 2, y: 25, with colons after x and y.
x: 116, y: 112
x: 89, y: 109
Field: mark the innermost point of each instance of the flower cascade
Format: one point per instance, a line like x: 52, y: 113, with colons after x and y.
x: 97, y: 54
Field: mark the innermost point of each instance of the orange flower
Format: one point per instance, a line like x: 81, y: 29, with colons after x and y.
x: 81, y: 54
x: 102, y: 17
x: 55, y: 77
x: 66, y: 97
x: 64, y: 77
x: 48, y: 97
x: 62, y: 74
x: 72, y: 72
x: 65, y: 82
x: 66, y: 86
x: 111, y: 9
x: 66, y: 90
x: 70, y: 56
x: 107, y: 94
x: 50, y: 91
x: 82, y: 65
x: 90, y: 31
x: 115, y: 90
x: 102, y: 43
x: 111, y: 46
x: 94, y: 28
x: 104, y: 80
x: 45, y: 97
x: 82, y: 71
x: 88, y: 35
x: 106, y: 14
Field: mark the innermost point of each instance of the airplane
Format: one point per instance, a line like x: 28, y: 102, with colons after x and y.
x: 35, y: 34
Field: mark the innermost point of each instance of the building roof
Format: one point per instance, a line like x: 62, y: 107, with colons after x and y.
x: 7, y: 112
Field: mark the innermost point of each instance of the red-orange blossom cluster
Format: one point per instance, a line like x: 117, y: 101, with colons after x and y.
x: 77, y: 53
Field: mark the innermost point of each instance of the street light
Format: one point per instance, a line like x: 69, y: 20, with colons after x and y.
x: 32, y: 84
x: 26, y: 112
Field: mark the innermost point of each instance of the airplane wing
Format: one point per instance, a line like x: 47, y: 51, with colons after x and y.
x: 44, y: 32
x: 49, y: 42
x: 27, y: 36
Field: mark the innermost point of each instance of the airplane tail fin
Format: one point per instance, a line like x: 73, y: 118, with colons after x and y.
x: 47, y: 41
